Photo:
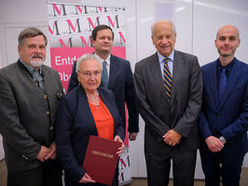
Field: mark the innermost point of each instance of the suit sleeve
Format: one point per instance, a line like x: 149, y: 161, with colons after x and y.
x: 73, y: 80
x: 130, y: 98
x: 240, y: 124
x: 191, y: 113
x: 11, y: 128
x: 64, y: 149
x: 154, y: 123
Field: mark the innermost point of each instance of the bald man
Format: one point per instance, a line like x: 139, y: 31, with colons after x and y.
x: 224, y: 116
x: 169, y: 89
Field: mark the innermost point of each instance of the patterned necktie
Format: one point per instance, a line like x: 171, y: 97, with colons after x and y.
x: 37, y: 76
x: 104, y: 74
x: 222, y: 83
x: 167, y: 77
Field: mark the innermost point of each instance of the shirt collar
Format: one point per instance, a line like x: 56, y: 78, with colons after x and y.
x: 161, y: 58
x: 30, y: 68
x: 228, y: 67
x: 107, y: 60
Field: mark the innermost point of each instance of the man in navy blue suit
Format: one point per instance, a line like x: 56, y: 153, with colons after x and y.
x: 224, y: 116
x: 119, y: 77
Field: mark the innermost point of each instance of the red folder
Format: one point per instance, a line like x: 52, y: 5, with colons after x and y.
x: 101, y: 160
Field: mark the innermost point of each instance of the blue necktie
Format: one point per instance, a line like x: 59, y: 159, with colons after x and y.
x: 104, y: 74
x: 222, y: 84
x: 167, y: 77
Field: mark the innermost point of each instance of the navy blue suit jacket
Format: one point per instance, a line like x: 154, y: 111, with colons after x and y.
x: 75, y: 124
x: 122, y: 84
x: 230, y: 118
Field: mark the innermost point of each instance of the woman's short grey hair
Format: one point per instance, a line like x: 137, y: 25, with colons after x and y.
x: 86, y: 57
x: 30, y: 32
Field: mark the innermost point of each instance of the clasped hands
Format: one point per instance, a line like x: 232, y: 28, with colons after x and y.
x: 86, y: 178
x: 47, y: 153
x: 214, y: 144
x: 172, y: 137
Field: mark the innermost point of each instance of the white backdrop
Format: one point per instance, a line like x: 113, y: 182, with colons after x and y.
x: 196, y: 22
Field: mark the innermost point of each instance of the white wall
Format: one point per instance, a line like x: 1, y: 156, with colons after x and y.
x: 196, y: 22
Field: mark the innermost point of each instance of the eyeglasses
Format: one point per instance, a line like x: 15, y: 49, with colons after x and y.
x: 89, y: 74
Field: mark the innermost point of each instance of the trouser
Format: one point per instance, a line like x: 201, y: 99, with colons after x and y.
x: 49, y: 174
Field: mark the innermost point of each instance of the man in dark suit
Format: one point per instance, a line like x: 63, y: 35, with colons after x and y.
x: 117, y: 76
x: 169, y: 89
x: 224, y: 116
x: 29, y: 95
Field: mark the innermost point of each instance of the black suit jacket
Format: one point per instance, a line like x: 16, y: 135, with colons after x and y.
x: 122, y: 84
x: 160, y: 114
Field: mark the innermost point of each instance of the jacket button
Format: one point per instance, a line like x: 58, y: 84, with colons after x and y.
x: 51, y: 127
x: 47, y: 113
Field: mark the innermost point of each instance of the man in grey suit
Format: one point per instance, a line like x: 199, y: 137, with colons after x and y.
x: 29, y: 95
x: 169, y: 91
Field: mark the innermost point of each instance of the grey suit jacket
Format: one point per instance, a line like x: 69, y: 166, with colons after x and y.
x: 161, y: 114
x: 27, y: 114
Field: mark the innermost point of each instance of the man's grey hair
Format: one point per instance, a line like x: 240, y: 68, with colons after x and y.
x: 86, y: 57
x: 153, y: 26
x: 30, y: 32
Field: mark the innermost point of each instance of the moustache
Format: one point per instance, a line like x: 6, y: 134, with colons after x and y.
x: 37, y: 56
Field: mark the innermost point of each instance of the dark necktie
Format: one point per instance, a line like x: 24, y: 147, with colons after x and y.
x: 104, y: 74
x: 37, y: 77
x: 222, y: 83
x: 167, y: 78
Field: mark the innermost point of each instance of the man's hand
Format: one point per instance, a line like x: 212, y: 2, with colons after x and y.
x: 132, y: 136
x: 51, y: 152
x: 172, y: 137
x: 214, y: 144
x: 42, y: 154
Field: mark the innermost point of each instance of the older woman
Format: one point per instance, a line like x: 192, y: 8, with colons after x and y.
x: 86, y: 110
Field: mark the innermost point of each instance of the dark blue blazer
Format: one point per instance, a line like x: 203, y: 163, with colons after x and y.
x: 122, y: 84
x: 230, y: 117
x: 75, y: 124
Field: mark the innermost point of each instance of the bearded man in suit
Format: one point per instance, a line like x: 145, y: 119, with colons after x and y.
x: 29, y: 95
x: 169, y: 92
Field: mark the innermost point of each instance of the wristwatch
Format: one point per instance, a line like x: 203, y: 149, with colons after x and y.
x: 222, y: 139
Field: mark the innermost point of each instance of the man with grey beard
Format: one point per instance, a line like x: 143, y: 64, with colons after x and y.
x: 29, y: 95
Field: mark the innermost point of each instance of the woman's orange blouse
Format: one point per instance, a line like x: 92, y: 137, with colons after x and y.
x: 103, y: 120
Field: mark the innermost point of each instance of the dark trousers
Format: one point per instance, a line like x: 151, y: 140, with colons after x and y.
x: 224, y: 166
x: 158, y: 167
x: 49, y: 174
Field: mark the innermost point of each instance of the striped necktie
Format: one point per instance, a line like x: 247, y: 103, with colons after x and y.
x: 167, y: 78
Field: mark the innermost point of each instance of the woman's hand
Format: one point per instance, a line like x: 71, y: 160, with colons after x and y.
x: 120, y: 149
x: 86, y: 179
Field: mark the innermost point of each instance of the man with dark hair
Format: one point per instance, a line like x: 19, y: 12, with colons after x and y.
x: 29, y: 95
x: 117, y: 76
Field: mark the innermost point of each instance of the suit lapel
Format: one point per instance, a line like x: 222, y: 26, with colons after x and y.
x: 232, y: 79
x: 113, y: 71
x: 156, y: 74
x: 176, y: 68
x: 212, y: 75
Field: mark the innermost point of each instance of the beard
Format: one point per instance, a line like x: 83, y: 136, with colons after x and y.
x: 37, y: 63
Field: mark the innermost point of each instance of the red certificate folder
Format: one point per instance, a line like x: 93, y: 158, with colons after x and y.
x: 101, y: 160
